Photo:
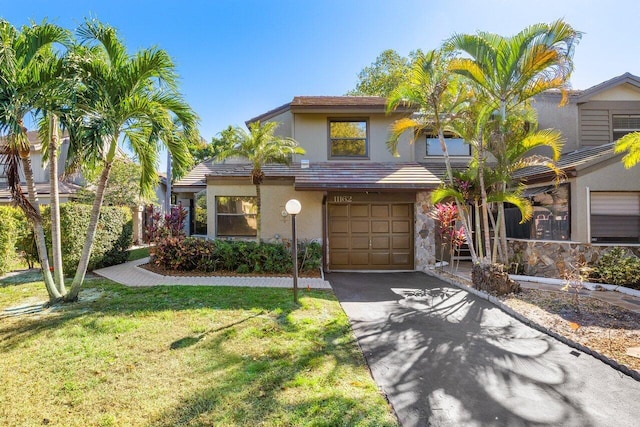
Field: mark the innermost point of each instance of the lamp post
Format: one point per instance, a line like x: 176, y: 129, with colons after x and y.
x: 293, y: 208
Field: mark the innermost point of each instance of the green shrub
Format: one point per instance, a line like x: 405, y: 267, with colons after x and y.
x: 618, y: 266
x: 8, y: 234
x: 113, y: 236
x: 193, y: 254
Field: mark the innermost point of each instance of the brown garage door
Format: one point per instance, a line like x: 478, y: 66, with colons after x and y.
x: 371, y: 236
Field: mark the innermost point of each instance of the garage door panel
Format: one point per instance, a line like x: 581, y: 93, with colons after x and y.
x: 339, y: 258
x: 401, y: 242
x: 336, y: 211
x: 380, y: 242
x: 379, y: 211
x: 400, y: 258
x: 400, y: 211
x: 360, y: 242
x: 400, y: 226
x: 339, y: 226
x: 360, y: 258
x: 359, y: 211
x: 359, y: 226
x: 340, y: 242
x: 380, y: 258
x: 380, y: 226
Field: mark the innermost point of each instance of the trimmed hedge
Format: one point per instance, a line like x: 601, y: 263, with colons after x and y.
x: 113, y: 237
x: 8, y: 238
x: 193, y: 254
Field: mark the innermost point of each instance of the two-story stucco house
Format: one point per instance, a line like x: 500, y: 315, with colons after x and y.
x: 370, y: 209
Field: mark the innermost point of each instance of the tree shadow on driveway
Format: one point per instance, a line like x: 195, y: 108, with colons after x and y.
x: 446, y: 357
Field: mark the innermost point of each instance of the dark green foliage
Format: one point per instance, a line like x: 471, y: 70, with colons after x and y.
x: 618, y: 266
x: 113, y: 238
x: 193, y: 254
x: 8, y: 231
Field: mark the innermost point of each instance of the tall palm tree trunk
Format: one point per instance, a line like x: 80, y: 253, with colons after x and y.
x: 56, y: 241
x: 258, y: 214
x: 484, y: 204
x: 38, y: 231
x: 81, y: 271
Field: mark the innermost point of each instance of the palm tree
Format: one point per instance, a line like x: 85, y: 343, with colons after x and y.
x: 125, y: 98
x: 26, y: 57
x: 260, y: 147
x: 441, y: 99
x: 510, y: 71
x: 629, y: 143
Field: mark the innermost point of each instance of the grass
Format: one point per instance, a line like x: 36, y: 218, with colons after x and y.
x: 183, y: 356
x: 138, y: 253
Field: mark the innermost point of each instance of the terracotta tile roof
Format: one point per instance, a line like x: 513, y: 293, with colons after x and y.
x: 339, y: 175
x: 573, y: 161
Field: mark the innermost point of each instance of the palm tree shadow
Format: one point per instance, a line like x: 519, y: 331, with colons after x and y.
x: 192, y: 340
x: 441, y: 348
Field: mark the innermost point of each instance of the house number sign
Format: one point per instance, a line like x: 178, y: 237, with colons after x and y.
x: 343, y: 199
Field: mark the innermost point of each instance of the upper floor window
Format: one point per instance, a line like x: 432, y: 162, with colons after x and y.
x: 348, y: 139
x: 624, y: 124
x: 455, y: 147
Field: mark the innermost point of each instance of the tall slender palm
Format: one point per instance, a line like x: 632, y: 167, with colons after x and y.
x: 125, y: 98
x: 25, y: 60
x: 441, y: 99
x: 510, y: 71
x: 260, y: 147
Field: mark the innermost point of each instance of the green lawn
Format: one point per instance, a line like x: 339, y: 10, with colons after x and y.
x: 167, y: 356
x: 138, y: 253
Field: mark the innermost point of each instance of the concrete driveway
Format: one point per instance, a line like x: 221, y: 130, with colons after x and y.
x: 445, y: 357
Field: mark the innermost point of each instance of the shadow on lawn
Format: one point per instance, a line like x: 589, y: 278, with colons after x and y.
x: 121, y: 300
x: 288, y: 385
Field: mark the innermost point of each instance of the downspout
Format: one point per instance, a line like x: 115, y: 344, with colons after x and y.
x: 588, y: 214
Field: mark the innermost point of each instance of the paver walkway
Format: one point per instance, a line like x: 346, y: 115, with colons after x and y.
x: 131, y: 275
x: 445, y: 357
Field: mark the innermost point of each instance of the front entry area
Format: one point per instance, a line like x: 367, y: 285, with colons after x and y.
x: 370, y: 235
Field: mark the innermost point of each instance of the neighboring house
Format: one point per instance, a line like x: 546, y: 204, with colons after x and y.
x: 370, y: 210
x: 599, y: 201
x: 67, y: 187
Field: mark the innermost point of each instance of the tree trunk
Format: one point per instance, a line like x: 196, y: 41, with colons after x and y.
x: 78, y: 279
x: 483, y: 203
x: 38, y: 231
x: 258, y: 214
x: 465, y: 222
x: 56, y: 245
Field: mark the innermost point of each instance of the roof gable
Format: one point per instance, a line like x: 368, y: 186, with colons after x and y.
x: 627, y: 79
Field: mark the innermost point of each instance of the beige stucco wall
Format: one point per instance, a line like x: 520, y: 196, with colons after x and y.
x: 274, y: 198
x: 311, y: 131
x: 564, y: 119
x: 625, y: 92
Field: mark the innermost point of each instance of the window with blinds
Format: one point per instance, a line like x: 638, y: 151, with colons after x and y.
x: 615, y: 217
x: 624, y: 124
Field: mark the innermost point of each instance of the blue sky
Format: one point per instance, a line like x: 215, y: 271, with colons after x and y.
x: 238, y: 59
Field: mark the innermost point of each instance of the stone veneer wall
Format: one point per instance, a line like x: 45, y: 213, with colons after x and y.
x: 553, y: 259
x: 425, y: 242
